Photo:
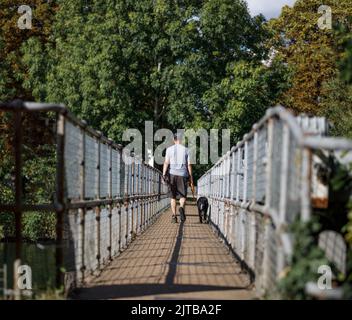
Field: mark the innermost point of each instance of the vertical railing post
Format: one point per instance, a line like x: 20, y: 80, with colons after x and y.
x: 253, y: 225
x: 147, y: 197
x: 269, y: 163
x: 245, y: 170
x: 127, y: 199
x: 283, y: 194
x: 110, y: 206
x: 233, y: 170
x: 142, y: 197
x: 306, y: 185
x: 284, y: 173
x: 120, y: 227
x: 98, y: 209
x: 138, y: 199
x: 266, y: 256
x: 255, y: 164
x: 82, y: 211
x: 60, y: 197
x: 121, y: 193
x: 238, y: 173
x: 18, y: 195
x: 133, y: 194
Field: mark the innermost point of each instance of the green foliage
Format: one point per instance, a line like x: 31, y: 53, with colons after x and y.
x: 38, y: 225
x: 348, y: 228
x: 5, y: 91
x: 345, y: 179
x: 312, y: 52
x: 14, y: 72
x: 347, y: 284
x: 7, y: 225
x: 344, y: 34
x: 307, y: 257
x: 305, y: 261
x: 38, y: 182
x: 336, y: 105
x: 243, y: 96
x: 120, y: 63
x: 117, y: 63
x: 336, y: 100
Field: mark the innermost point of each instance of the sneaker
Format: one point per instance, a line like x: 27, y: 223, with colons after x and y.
x: 174, y: 219
x: 182, y: 214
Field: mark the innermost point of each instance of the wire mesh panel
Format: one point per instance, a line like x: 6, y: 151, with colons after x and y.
x: 271, y: 247
x: 85, y: 182
x: 115, y: 229
x: 240, y: 173
x: 246, y: 221
x: 335, y: 248
x: 249, y: 169
x: 115, y: 173
x: 90, y: 242
x: 227, y: 217
x: 273, y: 165
x: 72, y: 242
x: 73, y: 159
x: 129, y: 223
x: 259, y: 249
x: 124, y: 227
x: 294, y: 182
x: 238, y: 225
x: 276, y: 164
x: 261, y: 165
x: 313, y: 125
x: 104, y: 235
x: 91, y: 167
x: 104, y: 168
x: 221, y: 213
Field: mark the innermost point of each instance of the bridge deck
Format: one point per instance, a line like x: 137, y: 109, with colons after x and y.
x: 172, y: 261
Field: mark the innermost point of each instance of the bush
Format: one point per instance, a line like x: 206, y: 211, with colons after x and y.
x: 306, y: 259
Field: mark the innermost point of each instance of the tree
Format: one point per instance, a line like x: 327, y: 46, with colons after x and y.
x: 336, y: 103
x: 310, y: 50
x: 120, y: 63
x: 344, y: 34
x: 336, y: 106
x: 242, y: 98
x: 13, y: 37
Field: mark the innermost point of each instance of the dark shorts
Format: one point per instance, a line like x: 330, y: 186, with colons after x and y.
x: 178, y: 186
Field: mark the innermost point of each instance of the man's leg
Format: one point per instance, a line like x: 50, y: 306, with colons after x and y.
x: 173, y: 198
x: 173, y: 206
x: 182, y: 209
x: 182, y: 202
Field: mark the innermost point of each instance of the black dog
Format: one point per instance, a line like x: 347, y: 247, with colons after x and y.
x: 202, y: 204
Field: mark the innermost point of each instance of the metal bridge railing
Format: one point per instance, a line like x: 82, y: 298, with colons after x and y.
x: 268, y: 179
x: 102, y: 198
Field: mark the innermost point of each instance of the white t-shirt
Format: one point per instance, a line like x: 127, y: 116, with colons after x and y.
x: 178, y: 157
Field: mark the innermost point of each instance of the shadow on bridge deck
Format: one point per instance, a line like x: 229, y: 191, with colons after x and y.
x: 172, y: 261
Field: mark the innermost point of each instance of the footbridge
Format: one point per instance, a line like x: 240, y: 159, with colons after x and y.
x: 113, y: 233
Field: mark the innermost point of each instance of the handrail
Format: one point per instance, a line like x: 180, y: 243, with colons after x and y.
x: 257, y: 189
x: 128, y: 194
x: 302, y: 139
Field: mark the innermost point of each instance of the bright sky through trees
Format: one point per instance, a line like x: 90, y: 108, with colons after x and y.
x: 269, y: 8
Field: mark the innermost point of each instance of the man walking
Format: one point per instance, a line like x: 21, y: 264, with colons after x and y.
x: 180, y: 171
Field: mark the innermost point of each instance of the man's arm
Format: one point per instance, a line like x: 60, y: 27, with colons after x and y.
x: 166, y: 163
x: 166, y: 166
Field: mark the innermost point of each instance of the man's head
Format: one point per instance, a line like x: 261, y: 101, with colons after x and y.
x: 177, y: 137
